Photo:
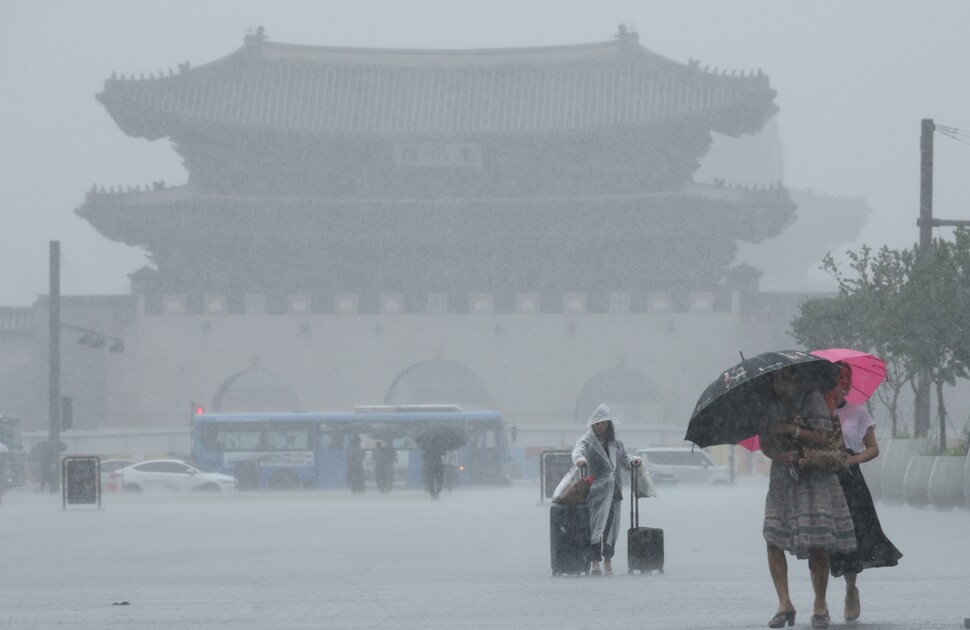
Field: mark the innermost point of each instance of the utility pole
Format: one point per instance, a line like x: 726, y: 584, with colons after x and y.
x: 54, y: 369
x: 926, y: 223
x: 921, y: 411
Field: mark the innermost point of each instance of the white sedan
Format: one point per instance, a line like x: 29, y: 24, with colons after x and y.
x: 171, y: 475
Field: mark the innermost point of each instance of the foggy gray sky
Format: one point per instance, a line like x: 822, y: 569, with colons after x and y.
x: 853, y: 81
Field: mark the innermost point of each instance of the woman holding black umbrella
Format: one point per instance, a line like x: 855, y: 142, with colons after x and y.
x: 805, y: 513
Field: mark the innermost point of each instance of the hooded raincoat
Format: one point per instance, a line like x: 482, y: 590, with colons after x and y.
x: 604, y: 466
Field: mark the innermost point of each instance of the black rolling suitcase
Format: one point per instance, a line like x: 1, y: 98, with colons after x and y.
x: 644, y: 545
x: 569, y: 539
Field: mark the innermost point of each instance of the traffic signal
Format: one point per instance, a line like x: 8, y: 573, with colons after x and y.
x: 196, y: 409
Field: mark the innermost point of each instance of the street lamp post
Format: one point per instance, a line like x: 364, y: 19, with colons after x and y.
x: 49, y: 461
x: 57, y: 405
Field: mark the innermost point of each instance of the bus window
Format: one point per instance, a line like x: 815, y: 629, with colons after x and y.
x: 328, y: 438
x: 491, y: 438
x: 287, y: 439
x: 215, y: 439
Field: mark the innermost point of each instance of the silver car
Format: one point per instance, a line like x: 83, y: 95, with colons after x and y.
x: 685, y: 464
x: 172, y: 475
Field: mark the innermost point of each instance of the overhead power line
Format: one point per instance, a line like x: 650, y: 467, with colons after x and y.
x: 959, y: 135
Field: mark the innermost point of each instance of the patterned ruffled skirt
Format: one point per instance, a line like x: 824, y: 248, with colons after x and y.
x: 809, y: 513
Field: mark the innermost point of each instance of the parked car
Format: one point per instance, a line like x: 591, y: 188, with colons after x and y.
x: 111, y: 465
x: 171, y: 475
x: 685, y: 464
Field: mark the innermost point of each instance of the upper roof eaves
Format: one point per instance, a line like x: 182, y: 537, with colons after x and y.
x: 423, y: 58
x: 337, y: 90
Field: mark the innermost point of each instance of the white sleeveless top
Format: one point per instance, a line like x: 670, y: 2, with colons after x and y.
x: 855, y: 421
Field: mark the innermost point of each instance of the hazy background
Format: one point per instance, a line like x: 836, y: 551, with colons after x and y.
x: 853, y: 81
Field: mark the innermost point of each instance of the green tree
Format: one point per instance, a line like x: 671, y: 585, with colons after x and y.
x: 857, y: 317
x: 911, y: 310
x: 932, y: 317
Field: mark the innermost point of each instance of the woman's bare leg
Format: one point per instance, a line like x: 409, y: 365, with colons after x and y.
x: 852, y: 607
x: 818, y: 564
x: 778, y: 566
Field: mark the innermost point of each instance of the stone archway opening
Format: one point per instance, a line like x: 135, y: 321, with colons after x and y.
x: 255, y: 390
x: 439, y: 382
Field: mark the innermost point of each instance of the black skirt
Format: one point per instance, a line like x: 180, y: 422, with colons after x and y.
x: 873, y: 549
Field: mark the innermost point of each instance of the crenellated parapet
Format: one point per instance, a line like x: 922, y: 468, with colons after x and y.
x: 760, y: 187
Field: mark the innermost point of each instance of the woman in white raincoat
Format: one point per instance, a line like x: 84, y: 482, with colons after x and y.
x: 603, y: 455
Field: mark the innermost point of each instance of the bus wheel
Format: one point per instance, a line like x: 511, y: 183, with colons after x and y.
x: 133, y: 488
x: 284, y: 480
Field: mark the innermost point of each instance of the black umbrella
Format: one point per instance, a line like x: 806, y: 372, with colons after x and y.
x: 48, y: 448
x: 440, y: 438
x: 735, y: 406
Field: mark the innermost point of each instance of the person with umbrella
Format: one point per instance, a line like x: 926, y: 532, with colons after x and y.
x: 48, y: 454
x: 603, y: 455
x: 805, y: 513
x: 435, y: 441
x: 873, y: 548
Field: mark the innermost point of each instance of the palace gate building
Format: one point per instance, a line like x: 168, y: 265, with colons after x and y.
x: 514, y: 229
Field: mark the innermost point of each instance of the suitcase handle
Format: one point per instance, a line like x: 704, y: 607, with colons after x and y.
x: 634, y: 502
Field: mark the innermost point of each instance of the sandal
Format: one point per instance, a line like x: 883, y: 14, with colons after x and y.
x: 821, y: 621
x: 780, y: 618
x: 852, y: 607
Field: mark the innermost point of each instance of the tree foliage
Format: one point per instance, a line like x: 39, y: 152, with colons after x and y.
x: 908, y: 307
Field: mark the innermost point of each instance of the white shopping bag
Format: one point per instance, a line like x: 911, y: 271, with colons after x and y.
x: 644, y: 482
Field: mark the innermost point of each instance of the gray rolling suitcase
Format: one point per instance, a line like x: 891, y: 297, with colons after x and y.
x: 644, y: 545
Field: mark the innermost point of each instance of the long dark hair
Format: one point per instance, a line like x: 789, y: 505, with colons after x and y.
x: 609, y: 435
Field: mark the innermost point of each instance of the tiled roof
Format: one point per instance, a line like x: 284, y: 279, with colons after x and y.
x: 327, y: 90
x: 138, y: 217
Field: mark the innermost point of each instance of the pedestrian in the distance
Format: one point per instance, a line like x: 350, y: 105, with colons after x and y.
x: 603, y: 455
x: 355, y: 466
x: 384, y: 458
x: 433, y: 467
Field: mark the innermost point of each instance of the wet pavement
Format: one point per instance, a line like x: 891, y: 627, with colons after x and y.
x: 476, y: 558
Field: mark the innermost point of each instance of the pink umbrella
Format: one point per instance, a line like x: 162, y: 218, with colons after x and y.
x: 868, y: 371
x: 753, y: 443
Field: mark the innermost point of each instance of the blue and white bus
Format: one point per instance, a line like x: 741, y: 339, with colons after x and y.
x: 287, y: 451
